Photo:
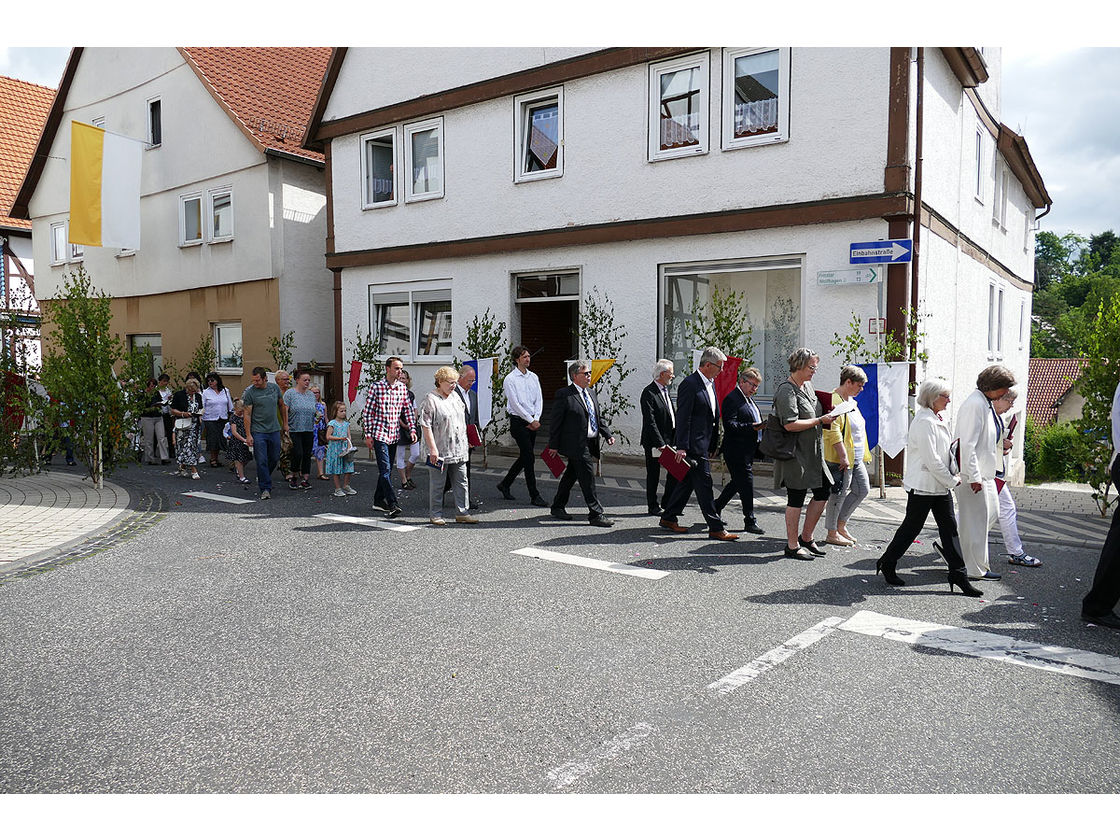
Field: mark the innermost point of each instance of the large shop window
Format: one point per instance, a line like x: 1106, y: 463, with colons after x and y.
x: 755, y: 97
x: 413, y: 324
x: 771, y: 290
x: 154, y: 343
x: 678, y: 107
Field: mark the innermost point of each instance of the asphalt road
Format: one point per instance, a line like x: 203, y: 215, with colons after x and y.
x: 261, y: 648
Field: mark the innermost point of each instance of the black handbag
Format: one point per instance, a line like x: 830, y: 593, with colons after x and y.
x: 776, y: 442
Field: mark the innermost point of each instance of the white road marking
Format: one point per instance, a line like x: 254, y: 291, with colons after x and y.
x: 233, y: 500
x: 1061, y: 660
x: 569, y: 773
x: 368, y: 521
x: 775, y: 657
x: 591, y: 563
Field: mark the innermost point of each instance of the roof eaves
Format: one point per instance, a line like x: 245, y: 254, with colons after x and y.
x: 326, y: 88
x: 206, y: 83
x: 1014, y: 149
x: 967, y: 65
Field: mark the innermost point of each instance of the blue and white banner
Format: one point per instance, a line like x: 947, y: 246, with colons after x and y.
x: 884, y: 405
x: 484, y: 387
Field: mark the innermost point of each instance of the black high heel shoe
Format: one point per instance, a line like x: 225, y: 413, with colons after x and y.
x: 887, y: 568
x: 958, y: 577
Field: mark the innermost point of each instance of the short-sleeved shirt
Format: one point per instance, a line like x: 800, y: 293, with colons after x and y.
x: 301, y: 410
x: 263, y: 402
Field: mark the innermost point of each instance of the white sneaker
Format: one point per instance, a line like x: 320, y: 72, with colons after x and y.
x: 339, y: 492
x: 349, y: 491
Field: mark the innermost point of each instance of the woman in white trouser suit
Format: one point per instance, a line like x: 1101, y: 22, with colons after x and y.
x: 978, y: 428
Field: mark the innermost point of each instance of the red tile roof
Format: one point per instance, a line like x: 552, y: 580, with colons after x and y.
x: 1048, y: 383
x: 23, y: 111
x: 268, y: 91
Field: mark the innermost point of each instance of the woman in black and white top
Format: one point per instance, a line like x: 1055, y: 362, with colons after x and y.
x: 217, y: 405
x: 186, y: 408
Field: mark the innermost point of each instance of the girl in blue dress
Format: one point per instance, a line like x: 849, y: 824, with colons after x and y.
x: 338, y: 444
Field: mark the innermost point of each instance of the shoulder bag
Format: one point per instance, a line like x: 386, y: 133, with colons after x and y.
x: 776, y: 442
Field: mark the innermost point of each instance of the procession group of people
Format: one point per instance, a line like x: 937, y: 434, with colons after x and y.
x: 957, y: 473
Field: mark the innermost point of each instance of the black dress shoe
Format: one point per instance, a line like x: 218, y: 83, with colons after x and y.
x: 538, y: 501
x: 812, y: 547
x: 601, y: 522
x: 655, y: 510
x: 561, y: 514
x: 508, y: 496
x: 751, y: 527
x: 476, y: 504
x: 1109, y: 619
x: 798, y: 553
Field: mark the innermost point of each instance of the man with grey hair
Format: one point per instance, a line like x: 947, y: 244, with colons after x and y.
x: 657, y: 432
x: 574, y: 428
x: 697, y: 437
x: 742, y: 422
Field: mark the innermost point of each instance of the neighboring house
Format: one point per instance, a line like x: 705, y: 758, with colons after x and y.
x: 521, y: 179
x: 1053, y: 391
x: 23, y: 111
x: 233, y: 215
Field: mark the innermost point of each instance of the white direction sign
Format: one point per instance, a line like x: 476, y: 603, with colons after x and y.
x: 842, y: 276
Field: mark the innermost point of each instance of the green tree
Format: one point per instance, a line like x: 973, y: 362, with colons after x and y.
x: 203, y: 359
x: 78, y: 374
x: 280, y: 348
x: 1054, y: 257
x: 1098, y: 385
x: 602, y: 337
x: 853, y: 348
x: 724, y: 321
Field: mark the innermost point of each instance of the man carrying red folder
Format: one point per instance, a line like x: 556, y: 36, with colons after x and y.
x: 697, y: 439
x: 574, y: 429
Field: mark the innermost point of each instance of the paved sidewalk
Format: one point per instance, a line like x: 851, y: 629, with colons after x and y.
x: 41, y: 515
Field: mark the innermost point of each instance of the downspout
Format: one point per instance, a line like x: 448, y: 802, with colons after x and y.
x: 917, y: 213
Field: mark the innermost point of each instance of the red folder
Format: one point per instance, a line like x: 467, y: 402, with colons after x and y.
x: 668, y: 460
x: 999, y: 485
x: 473, y: 437
x: 826, y: 402
x: 553, y: 461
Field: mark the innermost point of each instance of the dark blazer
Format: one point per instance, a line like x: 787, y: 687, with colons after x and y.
x: 657, y: 424
x: 472, y: 410
x: 740, y: 438
x: 697, y: 427
x: 567, y: 424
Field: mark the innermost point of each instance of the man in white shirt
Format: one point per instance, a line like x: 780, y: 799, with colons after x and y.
x: 1099, y: 606
x: 524, y: 402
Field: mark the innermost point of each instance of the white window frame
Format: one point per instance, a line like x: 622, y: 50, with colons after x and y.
x: 409, y: 129
x: 979, y: 183
x: 77, y: 252
x: 701, y: 61
x: 363, y: 166
x: 183, y: 199
x: 152, y: 144
x: 60, y: 251
x: 1028, y: 229
x: 214, y: 331
x: 522, y: 107
x: 211, y: 195
x: 995, y: 320
x: 1022, y: 320
x: 730, y: 141
x: 414, y: 294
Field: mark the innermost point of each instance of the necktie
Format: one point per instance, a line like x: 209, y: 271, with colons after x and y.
x: 668, y: 402
x: 590, y: 412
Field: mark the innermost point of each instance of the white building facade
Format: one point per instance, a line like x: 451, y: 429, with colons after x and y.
x: 232, y: 222
x: 523, y: 180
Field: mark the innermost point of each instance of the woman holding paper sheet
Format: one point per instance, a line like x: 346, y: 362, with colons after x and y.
x: 845, y: 450
x: 444, y: 427
x: 795, y: 404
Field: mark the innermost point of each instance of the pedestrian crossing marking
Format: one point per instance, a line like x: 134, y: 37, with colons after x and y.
x: 368, y: 521
x: 591, y: 563
x: 215, y: 497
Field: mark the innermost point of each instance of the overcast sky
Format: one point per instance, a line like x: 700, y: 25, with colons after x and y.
x: 1066, y: 102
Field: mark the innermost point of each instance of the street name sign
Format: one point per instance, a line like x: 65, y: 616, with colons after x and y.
x: 882, y: 251
x: 842, y: 276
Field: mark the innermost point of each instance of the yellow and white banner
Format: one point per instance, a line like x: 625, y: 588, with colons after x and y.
x: 104, y: 187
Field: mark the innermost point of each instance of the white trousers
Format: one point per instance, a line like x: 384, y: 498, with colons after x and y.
x: 1009, y: 522
x: 976, y: 514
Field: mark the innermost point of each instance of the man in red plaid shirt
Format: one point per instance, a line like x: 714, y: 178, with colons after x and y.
x: 387, y: 405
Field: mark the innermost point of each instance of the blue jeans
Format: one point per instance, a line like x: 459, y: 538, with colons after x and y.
x: 266, y: 452
x: 385, y: 495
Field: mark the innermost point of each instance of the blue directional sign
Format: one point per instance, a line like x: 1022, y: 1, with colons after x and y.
x: 882, y: 251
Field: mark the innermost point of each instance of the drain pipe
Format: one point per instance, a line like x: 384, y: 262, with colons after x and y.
x: 917, y: 213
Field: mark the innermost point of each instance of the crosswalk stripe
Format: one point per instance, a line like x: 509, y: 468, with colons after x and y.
x: 591, y: 563
x: 233, y: 500
x: 368, y: 521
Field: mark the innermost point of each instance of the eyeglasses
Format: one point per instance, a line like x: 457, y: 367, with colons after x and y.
x: 583, y: 373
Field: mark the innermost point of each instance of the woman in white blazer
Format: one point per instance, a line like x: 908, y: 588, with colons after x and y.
x: 928, y: 479
x: 979, y: 428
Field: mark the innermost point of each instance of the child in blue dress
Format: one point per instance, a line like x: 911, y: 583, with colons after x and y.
x: 338, y: 444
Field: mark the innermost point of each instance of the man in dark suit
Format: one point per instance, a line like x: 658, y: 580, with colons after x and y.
x: 470, y: 412
x: 741, y: 423
x: 697, y: 437
x: 657, y: 432
x: 574, y: 429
